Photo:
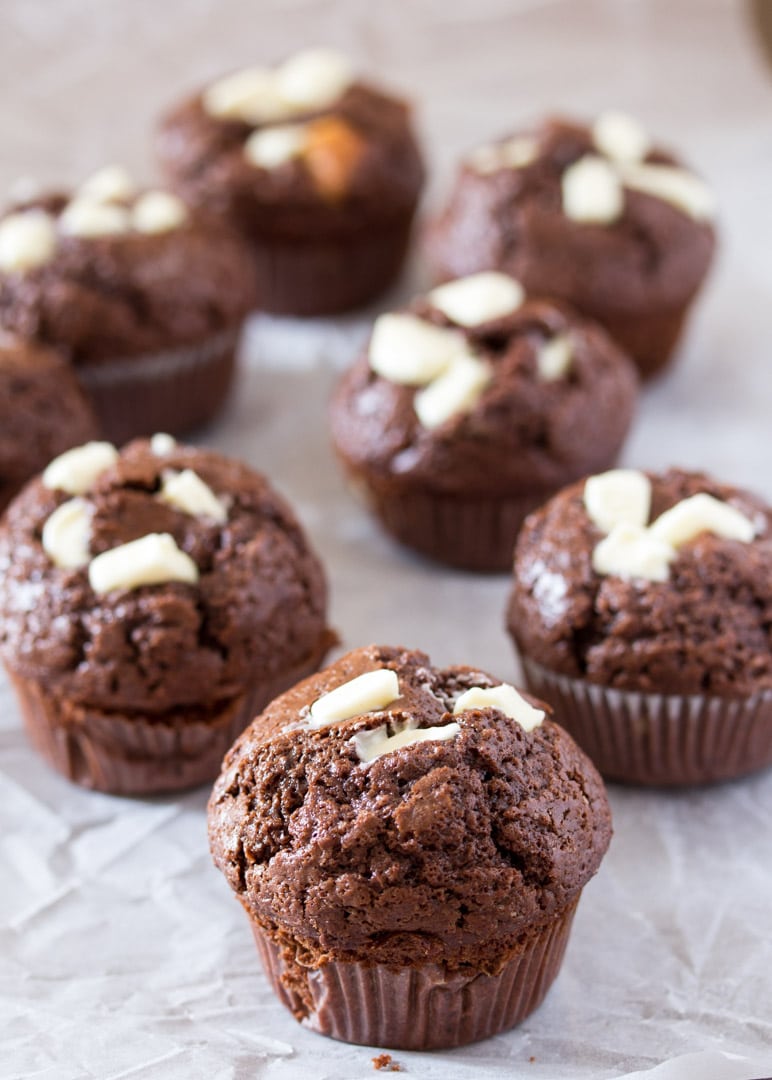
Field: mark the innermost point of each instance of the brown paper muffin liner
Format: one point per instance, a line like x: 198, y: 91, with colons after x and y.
x: 328, y: 275
x: 467, y: 533
x: 426, y: 1007
x: 141, y: 754
x: 659, y: 739
x: 650, y: 338
x: 173, y: 391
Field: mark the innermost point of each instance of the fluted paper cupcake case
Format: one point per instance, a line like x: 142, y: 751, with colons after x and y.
x: 138, y: 753
x: 659, y: 739
x: 176, y: 390
x: 426, y: 1007
x: 468, y: 533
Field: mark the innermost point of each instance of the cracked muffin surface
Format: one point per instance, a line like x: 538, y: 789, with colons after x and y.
x: 442, y: 851
x: 256, y: 610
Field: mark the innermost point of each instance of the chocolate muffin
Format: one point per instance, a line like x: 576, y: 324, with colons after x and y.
x: 410, y: 844
x: 317, y: 169
x: 151, y: 602
x: 469, y: 409
x: 43, y: 412
x: 596, y: 216
x: 145, y: 299
x: 642, y: 610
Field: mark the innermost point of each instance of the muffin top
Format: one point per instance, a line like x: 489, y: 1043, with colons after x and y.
x: 303, y: 146
x: 647, y: 582
x: 113, y: 271
x: 384, y: 809
x: 158, y: 577
x: 587, y: 213
x: 42, y: 411
x: 477, y: 389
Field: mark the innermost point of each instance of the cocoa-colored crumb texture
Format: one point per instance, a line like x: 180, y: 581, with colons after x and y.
x: 203, y: 157
x: 43, y: 412
x: 436, y: 852
x: 708, y: 629
x: 105, y: 298
x: 257, y: 611
x: 653, y: 257
x: 524, y: 434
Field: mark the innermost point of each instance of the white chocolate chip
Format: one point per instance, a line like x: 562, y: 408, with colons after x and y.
x: 370, y: 745
x: 478, y: 298
x: 250, y: 95
x: 592, y: 192
x: 698, y: 514
x: 313, y: 78
x: 504, y: 698
x: 186, y: 491
x: 455, y: 391
x: 405, y: 349
x: 162, y: 444
x: 270, y: 147
x: 513, y: 153
x: 620, y: 137
x: 67, y: 533
x: 553, y: 360
x: 111, y: 184
x: 27, y: 239
x: 86, y: 217
x: 618, y: 496
x: 682, y: 189
x: 76, y: 470
x: 158, y: 212
x: 631, y: 551
x: 151, y: 560
x: 366, y: 693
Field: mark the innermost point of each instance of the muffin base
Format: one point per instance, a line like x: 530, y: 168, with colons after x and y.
x: 650, y: 338
x: 467, y: 533
x: 659, y: 739
x: 173, y: 391
x: 427, y: 1007
x: 142, y: 754
x: 328, y: 275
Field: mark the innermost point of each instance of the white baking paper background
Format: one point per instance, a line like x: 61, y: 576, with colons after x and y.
x: 122, y: 952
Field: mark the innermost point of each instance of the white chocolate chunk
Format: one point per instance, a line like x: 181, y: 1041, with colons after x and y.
x: 151, y: 560
x: 76, y: 470
x: 698, y: 514
x: 86, y: 217
x: 366, y: 693
x: 618, y: 496
x: 158, y: 212
x: 405, y: 349
x: 313, y: 78
x: 186, y: 491
x: 504, y: 698
x: 513, y: 153
x: 682, y: 189
x: 455, y: 391
x: 631, y: 551
x: 620, y: 137
x: 250, y: 95
x: 478, y: 298
x: 111, y: 184
x: 27, y: 239
x: 162, y: 444
x: 554, y: 358
x: 370, y: 745
x: 67, y: 533
x: 592, y: 192
x: 270, y: 147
